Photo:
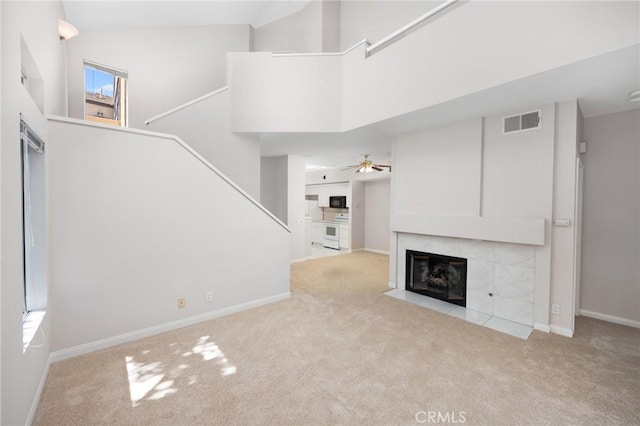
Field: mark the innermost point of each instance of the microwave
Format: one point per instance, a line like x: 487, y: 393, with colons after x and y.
x: 338, y: 202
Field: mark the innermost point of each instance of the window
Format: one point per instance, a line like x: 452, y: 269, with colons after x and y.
x: 34, y: 231
x: 105, y: 94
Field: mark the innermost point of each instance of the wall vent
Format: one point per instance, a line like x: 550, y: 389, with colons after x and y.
x: 521, y: 122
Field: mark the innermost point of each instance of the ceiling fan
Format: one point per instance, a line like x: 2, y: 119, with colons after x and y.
x: 367, y: 166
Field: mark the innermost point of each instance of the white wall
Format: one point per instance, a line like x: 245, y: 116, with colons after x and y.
x: 376, y: 217
x: 23, y: 374
x: 300, y: 32
x: 374, y: 20
x: 282, y: 192
x: 206, y: 127
x: 611, y: 245
x: 138, y: 222
x: 331, y: 26
x: 339, y: 93
x: 271, y: 94
x: 505, y: 180
x: 296, y: 207
x: 450, y: 154
x: 167, y: 66
x: 398, y: 80
x: 517, y: 181
x: 357, y: 214
x: 564, y: 202
x: 274, y: 194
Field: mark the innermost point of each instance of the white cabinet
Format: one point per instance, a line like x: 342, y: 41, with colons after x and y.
x: 324, y: 192
x: 339, y: 189
x: 317, y: 233
x: 345, y: 236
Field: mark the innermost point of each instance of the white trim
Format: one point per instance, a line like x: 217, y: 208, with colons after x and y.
x: 561, y: 331
x: 106, y: 68
x: 541, y: 327
x: 376, y: 251
x: 610, y: 318
x: 292, y: 54
x: 301, y: 259
x: 185, y: 105
x: 411, y: 25
x: 392, y: 285
x: 162, y: 328
x: 36, y: 398
x: 180, y: 142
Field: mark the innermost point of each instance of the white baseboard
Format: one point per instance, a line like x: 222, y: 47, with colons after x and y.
x: 561, y: 331
x: 301, y: 259
x: 38, y: 394
x: 376, y: 251
x: 161, y: 328
x: 541, y: 327
x: 392, y: 285
x: 610, y: 318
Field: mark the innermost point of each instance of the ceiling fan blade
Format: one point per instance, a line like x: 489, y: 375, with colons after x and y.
x: 350, y: 167
x: 376, y: 168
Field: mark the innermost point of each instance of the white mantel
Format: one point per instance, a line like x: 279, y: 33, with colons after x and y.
x: 499, y: 229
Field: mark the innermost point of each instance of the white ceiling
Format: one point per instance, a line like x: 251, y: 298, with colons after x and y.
x: 101, y: 14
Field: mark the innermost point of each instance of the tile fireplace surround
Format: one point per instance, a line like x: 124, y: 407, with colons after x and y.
x: 500, y: 276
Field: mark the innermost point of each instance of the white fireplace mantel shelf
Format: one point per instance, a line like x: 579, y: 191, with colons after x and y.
x: 502, y: 229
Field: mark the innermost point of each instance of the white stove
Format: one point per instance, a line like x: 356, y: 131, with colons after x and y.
x: 332, y: 230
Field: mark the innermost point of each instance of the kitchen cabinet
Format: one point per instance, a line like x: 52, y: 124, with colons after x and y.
x: 345, y: 236
x: 325, y: 191
x: 317, y: 232
x: 339, y: 189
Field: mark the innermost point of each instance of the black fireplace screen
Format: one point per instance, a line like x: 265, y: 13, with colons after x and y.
x: 438, y: 276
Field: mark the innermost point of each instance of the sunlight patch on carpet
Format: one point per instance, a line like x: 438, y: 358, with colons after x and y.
x: 155, y: 380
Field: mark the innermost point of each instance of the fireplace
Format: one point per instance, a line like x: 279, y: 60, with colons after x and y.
x: 438, y: 276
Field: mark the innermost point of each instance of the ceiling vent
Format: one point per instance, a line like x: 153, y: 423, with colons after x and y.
x: 521, y: 122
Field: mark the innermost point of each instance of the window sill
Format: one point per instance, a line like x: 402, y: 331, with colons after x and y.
x: 30, y: 326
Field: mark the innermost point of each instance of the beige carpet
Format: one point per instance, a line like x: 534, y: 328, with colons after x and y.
x: 340, y: 352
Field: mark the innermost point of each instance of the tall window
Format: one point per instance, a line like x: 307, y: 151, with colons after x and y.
x: 105, y: 94
x: 33, y: 222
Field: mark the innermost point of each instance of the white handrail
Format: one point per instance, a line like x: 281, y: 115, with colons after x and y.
x: 183, y: 145
x: 410, y: 26
x: 187, y: 104
x: 284, y: 55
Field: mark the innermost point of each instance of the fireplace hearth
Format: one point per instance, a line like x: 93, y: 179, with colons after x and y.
x: 438, y: 276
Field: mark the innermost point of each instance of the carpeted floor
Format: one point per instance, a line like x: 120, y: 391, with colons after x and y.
x: 340, y: 352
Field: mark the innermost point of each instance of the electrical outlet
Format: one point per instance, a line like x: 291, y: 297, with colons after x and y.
x: 182, y: 302
x: 209, y: 296
x: 555, y: 309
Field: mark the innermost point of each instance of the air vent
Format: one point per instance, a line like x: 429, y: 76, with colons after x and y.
x: 518, y: 123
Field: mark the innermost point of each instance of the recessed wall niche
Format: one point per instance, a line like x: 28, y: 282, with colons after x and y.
x: 30, y: 76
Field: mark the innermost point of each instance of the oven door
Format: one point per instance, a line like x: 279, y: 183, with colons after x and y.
x: 332, y: 236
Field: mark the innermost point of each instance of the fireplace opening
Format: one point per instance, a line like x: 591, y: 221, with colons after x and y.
x: 438, y: 276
